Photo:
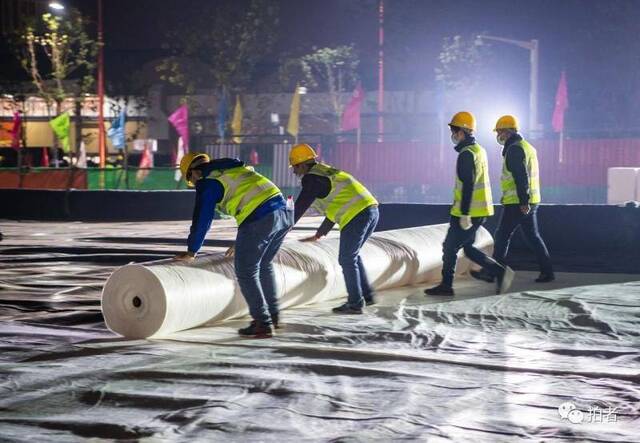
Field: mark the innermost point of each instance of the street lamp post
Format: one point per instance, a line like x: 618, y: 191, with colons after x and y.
x: 532, y: 46
x: 101, y: 132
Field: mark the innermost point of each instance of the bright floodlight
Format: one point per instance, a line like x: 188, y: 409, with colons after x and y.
x: 56, y: 5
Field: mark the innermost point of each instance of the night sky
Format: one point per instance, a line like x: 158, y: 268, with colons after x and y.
x: 595, y: 41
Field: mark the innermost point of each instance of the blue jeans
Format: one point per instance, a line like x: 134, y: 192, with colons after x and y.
x: 256, y: 245
x: 511, y: 219
x: 456, y: 239
x: 352, y: 237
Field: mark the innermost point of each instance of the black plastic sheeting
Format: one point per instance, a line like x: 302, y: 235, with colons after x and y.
x: 476, y: 368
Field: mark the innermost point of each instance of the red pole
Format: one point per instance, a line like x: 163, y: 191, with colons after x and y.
x: 380, y: 69
x: 101, y: 132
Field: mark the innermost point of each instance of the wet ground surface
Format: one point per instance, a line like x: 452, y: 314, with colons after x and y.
x: 475, y: 367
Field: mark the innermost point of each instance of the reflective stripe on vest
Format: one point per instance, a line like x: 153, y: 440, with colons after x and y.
x: 347, y: 198
x: 481, y: 200
x: 508, y: 183
x: 244, y: 191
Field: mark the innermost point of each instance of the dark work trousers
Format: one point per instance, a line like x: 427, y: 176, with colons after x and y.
x: 456, y: 239
x: 511, y: 219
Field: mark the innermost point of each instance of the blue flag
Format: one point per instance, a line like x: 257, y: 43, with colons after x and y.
x: 116, y: 132
x: 223, y: 113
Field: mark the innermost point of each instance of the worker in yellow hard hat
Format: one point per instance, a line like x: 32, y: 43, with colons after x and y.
x: 520, y: 184
x: 263, y: 221
x: 345, y: 201
x: 472, y: 204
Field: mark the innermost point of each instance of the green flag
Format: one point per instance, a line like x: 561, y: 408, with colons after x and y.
x: 60, y: 126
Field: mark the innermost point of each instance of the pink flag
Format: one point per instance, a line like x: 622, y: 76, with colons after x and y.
x: 562, y: 103
x: 351, y: 114
x: 180, y: 120
x: 146, y: 163
x: 16, y: 132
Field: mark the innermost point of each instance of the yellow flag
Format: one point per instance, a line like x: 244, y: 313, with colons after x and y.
x: 294, y: 115
x: 236, y: 123
x: 60, y: 126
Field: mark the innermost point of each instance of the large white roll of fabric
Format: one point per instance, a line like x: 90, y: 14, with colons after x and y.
x: 159, y: 298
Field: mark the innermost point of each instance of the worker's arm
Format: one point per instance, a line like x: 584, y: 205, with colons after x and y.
x: 515, y: 160
x: 313, y: 186
x: 466, y: 170
x: 208, y: 194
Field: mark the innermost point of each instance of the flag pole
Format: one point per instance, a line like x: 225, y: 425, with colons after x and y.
x: 358, y: 144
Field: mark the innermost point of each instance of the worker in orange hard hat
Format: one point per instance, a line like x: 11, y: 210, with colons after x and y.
x: 520, y: 184
x: 263, y: 221
x: 472, y: 204
x: 345, y: 201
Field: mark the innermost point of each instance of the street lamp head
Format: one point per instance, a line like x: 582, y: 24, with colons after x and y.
x: 56, y: 6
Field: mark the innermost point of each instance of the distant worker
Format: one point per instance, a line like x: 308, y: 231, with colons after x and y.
x: 472, y: 203
x: 263, y: 221
x: 520, y: 198
x: 345, y: 201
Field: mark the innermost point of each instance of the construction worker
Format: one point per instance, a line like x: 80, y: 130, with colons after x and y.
x: 345, y: 201
x: 472, y: 204
x: 263, y: 221
x: 520, y: 185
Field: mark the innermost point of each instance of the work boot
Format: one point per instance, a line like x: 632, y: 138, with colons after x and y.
x: 256, y: 330
x: 505, y: 280
x: 274, y: 320
x: 545, y: 277
x: 370, y: 301
x: 483, y: 275
x: 347, y: 309
x: 439, y: 290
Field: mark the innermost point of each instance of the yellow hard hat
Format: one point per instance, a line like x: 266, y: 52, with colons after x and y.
x: 464, y: 120
x: 507, y: 122
x: 301, y: 153
x: 186, y: 162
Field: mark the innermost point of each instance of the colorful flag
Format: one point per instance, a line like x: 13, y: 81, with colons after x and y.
x: 146, y: 163
x: 223, y: 111
x: 180, y: 120
x: 180, y: 153
x: 562, y: 103
x: 254, y: 158
x: 82, y: 156
x: 236, y: 123
x: 60, y: 126
x: 293, y: 127
x: 44, y: 160
x: 117, y: 131
x: 16, y: 131
x: 351, y: 114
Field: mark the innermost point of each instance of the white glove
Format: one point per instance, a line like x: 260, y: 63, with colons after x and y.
x: 465, y: 222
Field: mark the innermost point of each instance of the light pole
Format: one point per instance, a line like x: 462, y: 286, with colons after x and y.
x: 532, y: 46
x: 101, y: 132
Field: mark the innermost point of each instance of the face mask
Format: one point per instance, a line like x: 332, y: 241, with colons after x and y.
x: 454, y: 140
x: 501, y: 141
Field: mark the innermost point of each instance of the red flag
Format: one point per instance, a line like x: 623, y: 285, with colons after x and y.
x: 254, y: 158
x: 180, y: 120
x: 16, y: 131
x: 562, y: 103
x: 44, y: 162
x: 146, y: 162
x: 351, y: 114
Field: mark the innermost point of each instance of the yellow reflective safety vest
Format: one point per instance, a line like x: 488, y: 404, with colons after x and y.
x: 347, y: 198
x: 244, y: 191
x: 481, y: 200
x: 508, y: 184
